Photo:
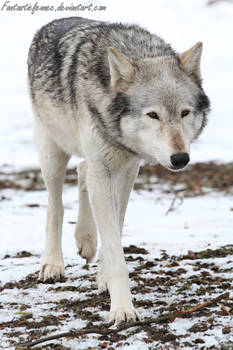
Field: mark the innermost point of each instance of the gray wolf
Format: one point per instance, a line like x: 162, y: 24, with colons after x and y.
x: 112, y: 94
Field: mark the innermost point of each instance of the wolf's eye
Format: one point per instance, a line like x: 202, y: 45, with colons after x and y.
x: 153, y: 115
x: 184, y: 113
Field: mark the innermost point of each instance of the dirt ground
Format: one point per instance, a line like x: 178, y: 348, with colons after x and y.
x: 165, y: 290
x: 185, y: 300
x: 193, y: 182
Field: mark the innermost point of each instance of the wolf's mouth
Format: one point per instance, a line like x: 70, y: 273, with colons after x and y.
x: 175, y: 169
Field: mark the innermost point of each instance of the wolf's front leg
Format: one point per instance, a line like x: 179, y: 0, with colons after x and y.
x: 123, y: 187
x: 100, y: 184
x: 53, y: 163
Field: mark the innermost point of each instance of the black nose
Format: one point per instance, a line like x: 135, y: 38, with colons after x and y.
x: 179, y: 160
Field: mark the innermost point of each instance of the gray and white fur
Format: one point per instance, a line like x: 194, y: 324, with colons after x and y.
x: 112, y: 94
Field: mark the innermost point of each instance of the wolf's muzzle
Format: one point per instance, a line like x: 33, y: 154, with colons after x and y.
x: 179, y: 160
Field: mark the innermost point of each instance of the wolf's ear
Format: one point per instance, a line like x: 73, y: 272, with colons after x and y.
x: 190, y: 61
x: 121, y: 69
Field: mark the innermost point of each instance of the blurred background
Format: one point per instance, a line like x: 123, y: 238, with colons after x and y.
x: 180, y: 22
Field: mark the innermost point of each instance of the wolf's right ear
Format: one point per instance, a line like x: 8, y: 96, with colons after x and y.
x: 121, y: 69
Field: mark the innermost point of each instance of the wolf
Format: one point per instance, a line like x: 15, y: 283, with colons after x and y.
x: 113, y: 94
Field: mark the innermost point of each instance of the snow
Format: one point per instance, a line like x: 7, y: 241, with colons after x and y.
x: 190, y: 226
x: 22, y: 228
x: 198, y: 222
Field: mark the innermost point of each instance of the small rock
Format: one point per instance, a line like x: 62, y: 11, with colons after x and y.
x: 226, y: 330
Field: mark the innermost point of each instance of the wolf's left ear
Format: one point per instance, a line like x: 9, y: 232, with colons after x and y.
x: 121, y: 69
x: 190, y: 61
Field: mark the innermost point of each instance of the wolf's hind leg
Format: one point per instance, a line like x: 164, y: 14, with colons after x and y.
x: 85, y: 231
x: 53, y: 161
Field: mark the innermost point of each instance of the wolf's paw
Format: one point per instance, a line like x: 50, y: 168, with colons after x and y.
x: 51, y: 272
x: 123, y: 315
x: 86, y: 244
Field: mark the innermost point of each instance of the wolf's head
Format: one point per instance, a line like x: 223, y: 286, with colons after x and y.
x: 162, y: 105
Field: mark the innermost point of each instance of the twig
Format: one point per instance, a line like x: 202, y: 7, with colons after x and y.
x: 104, y: 329
x: 205, y: 304
x: 172, y: 205
x: 227, y: 312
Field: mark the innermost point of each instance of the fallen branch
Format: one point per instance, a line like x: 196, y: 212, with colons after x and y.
x: 105, y: 329
x: 205, y: 304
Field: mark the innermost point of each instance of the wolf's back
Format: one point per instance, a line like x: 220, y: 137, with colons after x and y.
x: 47, y: 38
x: 76, y: 48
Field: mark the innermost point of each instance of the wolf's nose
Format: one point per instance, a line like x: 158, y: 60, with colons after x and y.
x: 179, y: 160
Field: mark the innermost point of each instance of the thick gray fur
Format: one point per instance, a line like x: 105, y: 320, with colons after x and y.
x: 112, y: 94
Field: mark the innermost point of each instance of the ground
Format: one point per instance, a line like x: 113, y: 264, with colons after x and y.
x: 167, y: 279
